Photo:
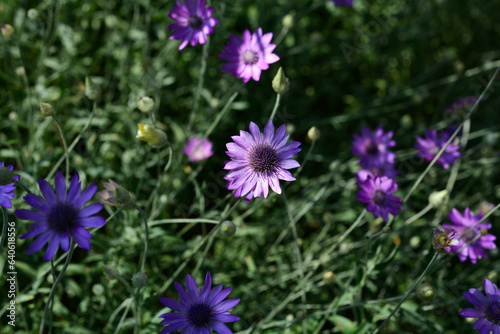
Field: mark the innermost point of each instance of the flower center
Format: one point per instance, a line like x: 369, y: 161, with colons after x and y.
x: 264, y: 159
x: 372, y: 148
x: 62, y: 217
x: 199, y: 315
x: 492, y: 311
x: 379, y: 197
x: 250, y: 57
x: 195, y: 22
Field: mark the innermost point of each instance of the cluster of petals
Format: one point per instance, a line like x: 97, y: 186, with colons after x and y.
x: 377, y: 193
x: 429, y: 147
x: 487, y: 308
x: 7, y: 187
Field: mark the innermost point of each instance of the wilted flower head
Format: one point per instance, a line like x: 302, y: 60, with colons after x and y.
x: 47, y: 109
x: 116, y: 195
x: 430, y: 146
x: 198, y: 150
x: 478, y: 238
x: 259, y: 161
x: 487, y: 309
x: 249, y: 56
x: 151, y: 135
x: 444, y: 240
x: 373, y: 148
x: 7, y: 185
x: 60, y: 216
x: 199, y: 311
x: 376, y: 192
x: 194, y: 22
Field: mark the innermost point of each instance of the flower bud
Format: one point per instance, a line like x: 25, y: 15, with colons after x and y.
x: 116, y: 195
x: 7, y: 30
x: 91, y: 89
x: 151, y: 135
x: 139, y: 280
x: 145, y: 104
x: 313, y: 134
x: 438, y: 198
x: 111, y: 272
x: 47, y: 109
x: 328, y: 277
x: 6, y: 176
x: 287, y: 20
x: 228, y: 228
x: 425, y: 291
x: 281, y: 83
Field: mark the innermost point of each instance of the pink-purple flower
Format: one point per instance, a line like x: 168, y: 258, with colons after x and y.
x: 376, y: 192
x: 198, y: 149
x: 259, y: 161
x: 444, y: 240
x: 430, y: 145
x: 477, y: 240
x: 374, y: 148
x: 487, y: 309
x: 249, y: 56
x: 194, y: 22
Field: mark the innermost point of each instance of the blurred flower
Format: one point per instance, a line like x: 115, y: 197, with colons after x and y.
x: 228, y: 228
x: 313, y: 134
x: 384, y: 169
x: 60, y: 216
x: 485, y: 206
x: 374, y: 147
x: 145, y: 104
x: 151, y: 135
x: 438, y: 198
x: 47, y: 109
x: 487, y: 309
x: 376, y: 193
x: 260, y: 160
x: 247, y: 57
x: 479, y: 240
x: 280, y: 83
x: 196, y: 150
x: 194, y: 22
x: 7, y: 185
x: 444, y: 240
x: 7, y: 30
x: 200, y: 311
x: 116, y: 195
x: 425, y: 292
x: 460, y: 106
x: 347, y: 3
x: 430, y: 146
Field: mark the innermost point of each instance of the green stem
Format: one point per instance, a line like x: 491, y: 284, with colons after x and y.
x: 4, y: 226
x: 276, y: 105
x: 17, y: 183
x: 66, y: 154
x: 146, y: 239
x: 196, y: 100
x: 53, y: 270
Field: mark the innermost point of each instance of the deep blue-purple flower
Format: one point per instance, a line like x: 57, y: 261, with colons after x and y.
x: 7, y: 185
x: 487, y: 309
x: 376, y: 192
x: 373, y: 147
x: 347, y: 3
x: 60, y: 216
x: 200, y: 312
x: 430, y: 145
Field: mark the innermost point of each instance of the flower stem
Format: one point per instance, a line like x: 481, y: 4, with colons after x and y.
x: 276, y: 105
x: 52, y: 291
x: 66, y: 153
x: 4, y: 226
x: 17, y: 183
x: 146, y: 239
x: 196, y: 100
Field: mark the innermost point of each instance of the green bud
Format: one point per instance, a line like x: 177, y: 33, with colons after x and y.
x: 91, y: 89
x: 281, y: 84
x: 313, y: 134
x: 425, y: 292
x: 438, y: 198
x: 228, y: 228
x: 145, y: 104
x: 139, y: 280
x: 6, y: 176
x: 111, y: 272
x: 328, y: 277
x: 47, y: 109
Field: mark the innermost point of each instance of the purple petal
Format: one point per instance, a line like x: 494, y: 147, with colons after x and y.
x: 60, y: 185
x: 172, y: 304
x: 90, y: 210
x: 205, y: 291
x: 471, y: 313
x: 91, y: 222
x: 226, y: 317
x: 173, y: 327
x: 37, y: 202
x: 226, y: 305
x: 490, y: 288
x: 46, y: 190
x: 220, y: 296
x: 39, y: 242
x: 219, y: 327
x: 192, y: 288
x: 52, y: 248
x: 81, y: 237
x: 85, y: 196
x: 30, y: 215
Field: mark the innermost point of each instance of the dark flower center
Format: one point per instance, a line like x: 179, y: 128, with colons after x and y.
x: 250, y: 57
x: 372, y: 148
x: 62, y: 217
x: 264, y: 159
x: 492, y: 311
x: 195, y: 21
x: 199, y: 315
x: 379, y: 197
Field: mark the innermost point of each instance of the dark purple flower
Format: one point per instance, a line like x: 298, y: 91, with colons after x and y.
x: 376, y: 193
x: 249, y: 56
x: 385, y: 169
x: 259, y: 161
x: 460, y: 106
x: 430, y: 146
x: 7, y: 185
x: 196, y: 150
x: 487, y: 308
x: 373, y: 147
x: 194, y: 22
x: 444, y: 240
x: 60, y: 216
x: 200, y: 311
x: 478, y: 238
x: 347, y: 3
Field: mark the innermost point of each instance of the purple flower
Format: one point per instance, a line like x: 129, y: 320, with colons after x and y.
x: 7, y: 185
x: 347, y: 3
x: 60, y: 216
x: 483, y: 240
x: 260, y: 160
x: 487, y: 308
x: 373, y: 147
x: 200, y: 311
x: 431, y: 145
x: 196, y: 150
x: 444, y: 240
x: 194, y: 22
x: 385, y: 169
x: 376, y: 193
x: 461, y: 105
x: 247, y: 57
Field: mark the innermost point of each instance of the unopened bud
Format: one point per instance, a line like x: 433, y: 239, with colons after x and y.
x: 32, y: 14
x: 438, y: 198
x: 145, y: 104
x: 116, y: 195
x: 281, y: 84
x: 328, y: 277
x: 139, y: 280
x: 151, y: 135
x: 313, y: 134
x: 20, y: 71
x: 425, y: 291
x: 288, y: 20
x: 6, y: 176
x: 228, y: 228
x: 91, y: 90
x: 47, y: 109
x: 111, y: 272
x: 484, y: 232
x: 7, y: 30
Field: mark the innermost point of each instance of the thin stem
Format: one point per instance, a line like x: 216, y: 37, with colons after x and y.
x: 53, y: 271
x: 66, y: 154
x: 17, y: 183
x: 221, y: 114
x: 276, y: 105
x: 146, y: 241
x: 196, y: 100
x: 183, y: 221
x: 308, y: 155
x: 4, y: 226
x: 52, y: 291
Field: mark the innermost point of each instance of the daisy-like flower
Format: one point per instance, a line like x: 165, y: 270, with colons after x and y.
x: 194, y: 22
x: 200, y: 311
x: 249, y: 56
x: 60, y: 216
x: 487, y: 309
x: 477, y: 240
x: 259, y: 161
x: 385, y: 169
x: 377, y: 192
x: 7, y: 185
x: 373, y: 147
x: 444, y: 240
x: 430, y: 146
x: 347, y: 3
x: 198, y: 150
